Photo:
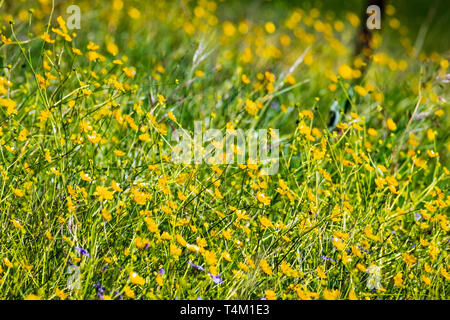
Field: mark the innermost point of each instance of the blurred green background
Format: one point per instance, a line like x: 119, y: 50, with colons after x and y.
x: 433, y: 16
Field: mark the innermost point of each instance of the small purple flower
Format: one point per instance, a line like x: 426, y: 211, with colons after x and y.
x: 105, y: 267
x: 147, y: 245
x: 83, y: 251
x: 196, y: 266
x: 199, y: 298
x: 216, y: 279
x: 118, y: 295
x: 161, y: 271
x: 327, y: 258
x: 417, y: 216
x: 364, y: 249
x: 412, y: 243
x: 99, y: 287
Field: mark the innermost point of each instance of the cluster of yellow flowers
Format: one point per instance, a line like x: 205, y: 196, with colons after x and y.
x: 87, y: 132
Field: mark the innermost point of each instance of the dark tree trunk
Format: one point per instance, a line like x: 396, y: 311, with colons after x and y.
x: 364, y: 38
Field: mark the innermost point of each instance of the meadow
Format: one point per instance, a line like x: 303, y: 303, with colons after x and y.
x: 93, y: 205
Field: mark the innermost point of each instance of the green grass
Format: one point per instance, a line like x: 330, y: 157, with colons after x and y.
x: 369, y: 185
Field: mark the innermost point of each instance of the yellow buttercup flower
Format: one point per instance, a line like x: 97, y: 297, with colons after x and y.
x: 265, y: 267
x: 136, y: 279
x: 391, y: 124
x: 331, y: 294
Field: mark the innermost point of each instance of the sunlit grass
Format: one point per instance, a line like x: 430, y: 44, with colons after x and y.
x: 87, y: 118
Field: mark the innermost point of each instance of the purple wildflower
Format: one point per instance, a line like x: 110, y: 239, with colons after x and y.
x: 83, y: 251
x: 199, y: 298
x: 216, y: 279
x: 118, y: 295
x: 100, y: 289
x: 412, y: 243
x: 364, y: 249
x: 196, y: 266
x: 161, y: 271
x: 326, y: 258
x: 418, y: 216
